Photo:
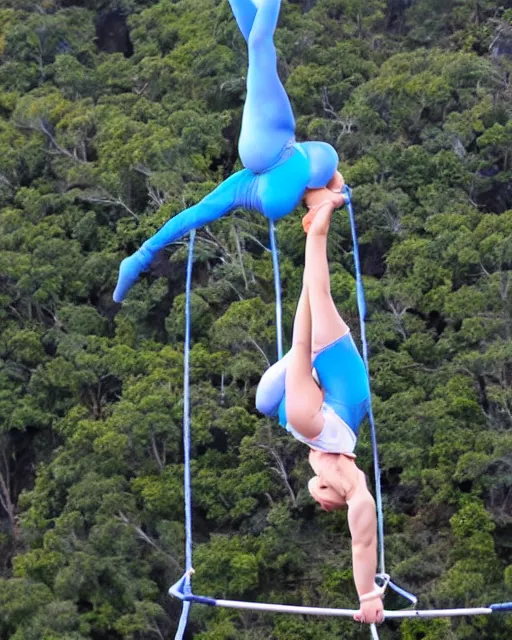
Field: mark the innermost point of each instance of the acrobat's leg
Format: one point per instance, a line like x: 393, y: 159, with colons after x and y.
x: 219, y: 202
x: 303, y: 396
x: 268, y: 122
x: 327, y: 324
x: 244, y: 12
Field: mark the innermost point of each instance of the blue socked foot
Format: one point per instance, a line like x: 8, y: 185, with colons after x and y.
x: 129, y: 271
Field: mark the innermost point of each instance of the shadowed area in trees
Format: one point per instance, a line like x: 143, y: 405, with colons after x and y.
x: 112, y: 33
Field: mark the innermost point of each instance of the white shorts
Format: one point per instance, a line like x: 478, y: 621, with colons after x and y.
x: 335, y: 437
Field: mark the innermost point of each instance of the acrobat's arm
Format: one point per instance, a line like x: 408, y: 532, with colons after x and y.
x: 362, y: 520
x: 219, y: 202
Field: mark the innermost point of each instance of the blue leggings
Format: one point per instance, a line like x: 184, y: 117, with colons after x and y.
x: 278, y: 170
x: 268, y: 123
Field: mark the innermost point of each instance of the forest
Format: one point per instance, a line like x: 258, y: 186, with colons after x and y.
x: 114, y: 116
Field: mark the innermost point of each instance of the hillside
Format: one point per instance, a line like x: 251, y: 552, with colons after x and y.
x: 114, y: 116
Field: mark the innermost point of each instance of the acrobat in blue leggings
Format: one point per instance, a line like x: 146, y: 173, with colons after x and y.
x: 278, y: 170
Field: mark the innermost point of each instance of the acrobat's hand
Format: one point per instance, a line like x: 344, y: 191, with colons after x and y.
x: 129, y: 271
x: 370, y: 611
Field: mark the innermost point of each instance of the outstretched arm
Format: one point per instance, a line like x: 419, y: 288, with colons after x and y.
x: 362, y: 521
x: 219, y: 202
x: 340, y: 481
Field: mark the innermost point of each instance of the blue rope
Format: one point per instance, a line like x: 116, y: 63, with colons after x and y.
x: 277, y: 289
x: 361, y: 305
x: 183, y: 621
x: 186, y: 408
x: 187, y: 589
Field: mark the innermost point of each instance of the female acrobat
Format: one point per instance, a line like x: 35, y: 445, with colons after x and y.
x: 278, y: 170
x: 326, y: 415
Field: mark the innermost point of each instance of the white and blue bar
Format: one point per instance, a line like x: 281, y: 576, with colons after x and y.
x: 176, y: 591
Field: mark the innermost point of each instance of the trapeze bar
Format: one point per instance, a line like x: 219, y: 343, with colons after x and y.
x: 438, y: 613
x: 501, y: 606
x: 348, y: 613
x: 177, y: 591
x: 285, y: 608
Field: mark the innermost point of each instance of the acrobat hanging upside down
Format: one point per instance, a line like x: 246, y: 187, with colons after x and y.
x: 278, y: 170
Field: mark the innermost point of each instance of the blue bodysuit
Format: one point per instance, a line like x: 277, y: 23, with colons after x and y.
x: 278, y: 170
x: 342, y: 377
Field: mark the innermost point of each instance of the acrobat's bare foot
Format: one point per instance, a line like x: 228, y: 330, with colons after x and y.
x: 336, y: 183
x: 321, y: 203
x: 321, y: 218
x: 314, y: 198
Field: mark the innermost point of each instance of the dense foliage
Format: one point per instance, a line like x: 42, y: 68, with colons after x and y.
x: 115, y: 115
